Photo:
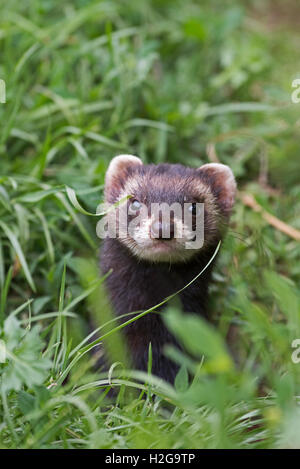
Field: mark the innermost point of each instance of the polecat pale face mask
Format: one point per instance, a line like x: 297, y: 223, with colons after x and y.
x: 167, y: 212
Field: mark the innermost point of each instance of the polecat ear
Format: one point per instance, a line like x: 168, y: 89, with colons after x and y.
x: 118, y: 171
x: 222, y: 182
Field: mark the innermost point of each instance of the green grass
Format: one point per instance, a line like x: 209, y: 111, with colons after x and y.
x: 85, y: 81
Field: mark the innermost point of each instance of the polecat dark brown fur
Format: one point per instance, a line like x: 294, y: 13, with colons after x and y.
x: 147, y: 265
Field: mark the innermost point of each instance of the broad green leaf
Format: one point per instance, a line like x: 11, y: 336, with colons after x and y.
x: 199, y: 338
x: 25, y: 363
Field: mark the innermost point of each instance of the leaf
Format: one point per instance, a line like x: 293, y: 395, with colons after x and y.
x: 286, y: 295
x: 199, y: 338
x: 25, y: 363
x: 73, y: 199
x: 2, y: 268
x: 16, y: 245
x: 104, y: 140
x: 3, y: 295
x: 39, y: 303
x: 77, y: 221
x: 79, y: 147
x: 33, y: 197
x: 50, y: 247
x: 182, y: 379
x: 239, y: 107
x: 149, y: 123
x: 26, y: 402
x: 195, y: 28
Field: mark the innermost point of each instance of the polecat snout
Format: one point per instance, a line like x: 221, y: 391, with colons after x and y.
x: 154, y: 252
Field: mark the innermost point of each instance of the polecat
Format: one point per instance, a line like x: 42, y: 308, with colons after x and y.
x: 147, y: 264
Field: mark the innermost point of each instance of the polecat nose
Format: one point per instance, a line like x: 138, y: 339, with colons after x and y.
x: 162, y: 230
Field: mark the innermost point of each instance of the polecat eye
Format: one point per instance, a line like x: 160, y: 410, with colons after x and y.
x: 135, y: 205
x: 194, y: 209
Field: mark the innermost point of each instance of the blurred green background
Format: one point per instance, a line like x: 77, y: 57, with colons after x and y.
x: 190, y: 82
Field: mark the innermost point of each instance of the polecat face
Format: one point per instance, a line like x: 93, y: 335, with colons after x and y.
x: 168, y: 208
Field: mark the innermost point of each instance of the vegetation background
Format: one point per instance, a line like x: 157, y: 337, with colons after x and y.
x: 178, y: 81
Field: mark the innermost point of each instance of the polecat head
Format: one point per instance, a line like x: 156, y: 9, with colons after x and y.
x: 170, y: 211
